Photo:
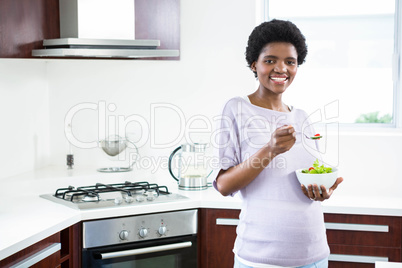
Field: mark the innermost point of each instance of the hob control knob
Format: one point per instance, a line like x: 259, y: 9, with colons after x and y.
x: 143, y: 232
x: 123, y: 235
x: 162, y: 230
x: 129, y: 199
x: 118, y: 201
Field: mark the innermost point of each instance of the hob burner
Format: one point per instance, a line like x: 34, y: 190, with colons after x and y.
x: 111, y: 195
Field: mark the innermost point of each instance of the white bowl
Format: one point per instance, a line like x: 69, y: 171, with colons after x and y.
x: 326, y: 179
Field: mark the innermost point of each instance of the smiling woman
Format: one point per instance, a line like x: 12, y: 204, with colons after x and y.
x: 259, y: 148
x: 348, y: 47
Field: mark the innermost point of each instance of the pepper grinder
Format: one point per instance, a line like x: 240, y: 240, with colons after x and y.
x: 70, y: 155
x: 70, y: 161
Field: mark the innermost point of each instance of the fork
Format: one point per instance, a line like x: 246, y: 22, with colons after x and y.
x: 312, y: 138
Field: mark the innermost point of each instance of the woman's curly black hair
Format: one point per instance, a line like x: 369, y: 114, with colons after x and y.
x: 275, y: 31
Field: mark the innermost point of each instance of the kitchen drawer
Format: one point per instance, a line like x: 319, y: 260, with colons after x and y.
x: 361, y: 256
x: 62, y: 249
x: 364, y: 230
x: 43, y: 254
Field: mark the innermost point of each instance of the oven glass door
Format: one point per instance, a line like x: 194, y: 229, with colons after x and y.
x: 178, y: 252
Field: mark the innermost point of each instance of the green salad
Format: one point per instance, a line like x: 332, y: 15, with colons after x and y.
x: 317, y: 169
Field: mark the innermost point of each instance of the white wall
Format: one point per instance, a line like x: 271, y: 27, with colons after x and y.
x: 24, y: 116
x: 36, y: 95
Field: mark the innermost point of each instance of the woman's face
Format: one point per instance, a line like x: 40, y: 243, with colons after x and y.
x: 276, y: 66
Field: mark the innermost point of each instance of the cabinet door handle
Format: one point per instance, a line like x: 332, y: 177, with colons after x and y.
x: 357, y: 227
x: 223, y: 221
x: 39, y: 256
x: 356, y: 258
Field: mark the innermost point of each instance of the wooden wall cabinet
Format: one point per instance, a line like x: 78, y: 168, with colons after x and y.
x: 356, y: 241
x: 64, y: 248
x: 25, y: 23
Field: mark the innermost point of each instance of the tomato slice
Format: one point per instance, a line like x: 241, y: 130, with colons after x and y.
x: 317, y: 135
x: 310, y: 168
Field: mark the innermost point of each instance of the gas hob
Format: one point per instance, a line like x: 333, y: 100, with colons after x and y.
x: 113, y: 195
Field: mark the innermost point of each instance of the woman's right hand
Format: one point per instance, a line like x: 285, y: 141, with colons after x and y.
x: 282, y: 140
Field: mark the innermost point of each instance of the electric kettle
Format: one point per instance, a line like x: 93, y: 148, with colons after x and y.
x: 192, y: 167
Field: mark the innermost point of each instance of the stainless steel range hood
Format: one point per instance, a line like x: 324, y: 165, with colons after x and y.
x: 102, y: 48
x: 102, y: 29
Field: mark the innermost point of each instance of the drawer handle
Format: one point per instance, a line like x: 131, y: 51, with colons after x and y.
x: 357, y: 227
x: 328, y: 225
x: 223, y: 221
x: 356, y: 258
x: 39, y: 256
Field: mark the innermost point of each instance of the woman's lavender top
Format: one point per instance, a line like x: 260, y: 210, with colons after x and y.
x: 278, y: 224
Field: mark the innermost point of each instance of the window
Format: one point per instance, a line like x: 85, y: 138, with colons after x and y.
x: 352, y: 60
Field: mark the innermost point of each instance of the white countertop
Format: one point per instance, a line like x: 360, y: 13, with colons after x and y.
x: 27, y: 218
x: 381, y: 264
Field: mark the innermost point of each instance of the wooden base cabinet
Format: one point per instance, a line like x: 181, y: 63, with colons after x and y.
x: 61, y: 250
x: 356, y: 241
x: 216, y: 236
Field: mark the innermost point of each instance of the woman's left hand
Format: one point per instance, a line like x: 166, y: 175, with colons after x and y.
x: 313, y: 192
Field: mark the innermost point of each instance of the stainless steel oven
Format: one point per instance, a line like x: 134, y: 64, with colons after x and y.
x: 167, y: 239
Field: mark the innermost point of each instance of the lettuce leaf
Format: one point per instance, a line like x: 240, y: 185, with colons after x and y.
x: 317, y: 169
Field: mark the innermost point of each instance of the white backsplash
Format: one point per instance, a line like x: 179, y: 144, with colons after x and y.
x: 24, y: 113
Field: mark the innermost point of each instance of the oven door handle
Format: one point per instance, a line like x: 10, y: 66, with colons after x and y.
x: 139, y: 251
